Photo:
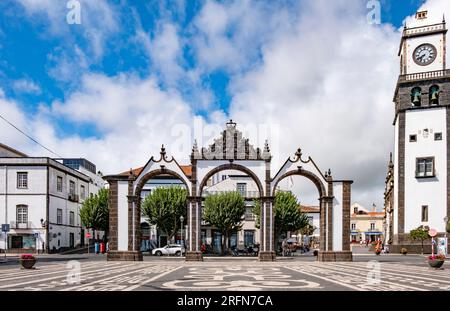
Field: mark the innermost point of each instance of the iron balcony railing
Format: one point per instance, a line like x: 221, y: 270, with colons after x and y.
x: 20, y: 225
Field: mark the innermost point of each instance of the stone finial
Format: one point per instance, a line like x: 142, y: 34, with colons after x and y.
x: 195, y: 146
x: 266, y: 146
x: 163, y: 150
x: 266, y: 150
x: 231, y: 123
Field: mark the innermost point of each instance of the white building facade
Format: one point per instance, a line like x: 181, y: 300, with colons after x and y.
x: 40, y: 199
x: 421, y: 193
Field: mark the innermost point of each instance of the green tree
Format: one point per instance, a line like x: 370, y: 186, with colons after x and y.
x: 308, y: 229
x: 420, y: 233
x: 164, y: 206
x: 94, y: 212
x: 225, y: 211
x: 288, y: 216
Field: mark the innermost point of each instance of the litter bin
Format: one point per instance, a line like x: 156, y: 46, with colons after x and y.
x: 97, y: 247
x: 102, y: 247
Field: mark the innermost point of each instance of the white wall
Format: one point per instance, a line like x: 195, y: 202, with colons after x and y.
x: 337, y: 216
x: 396, y: 161
x: 122, y: 213
x: 426, y: 191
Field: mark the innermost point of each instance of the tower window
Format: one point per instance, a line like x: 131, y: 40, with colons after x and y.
x: 416, y: 96
x: 437, y: 136
x: 425, y: 167
x: 434, y: 95
x: 421, y: 15
x: 412, y: 138
x: 424, y: 213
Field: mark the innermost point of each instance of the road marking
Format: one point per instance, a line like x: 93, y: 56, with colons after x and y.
x: 152, y: 279
x: 327, y: 279
x: 339, y: 271
x: 117, y: 276
x: 83, y: 272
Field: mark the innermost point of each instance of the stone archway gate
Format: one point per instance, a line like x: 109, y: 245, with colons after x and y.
x: 229, y: 151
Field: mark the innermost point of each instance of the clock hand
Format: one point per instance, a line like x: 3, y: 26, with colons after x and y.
x: 421, y: 57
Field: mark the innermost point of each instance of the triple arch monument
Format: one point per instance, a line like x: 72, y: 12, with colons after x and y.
x: 230, y: 151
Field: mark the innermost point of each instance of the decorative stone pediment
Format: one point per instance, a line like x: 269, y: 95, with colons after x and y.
x: 231, y: 145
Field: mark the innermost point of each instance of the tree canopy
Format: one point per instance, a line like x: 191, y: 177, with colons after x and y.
x: 420, y: 233
x: 164, y: 206
x: 225, y: 211
x: 288, y: 216
x: 94, y: 213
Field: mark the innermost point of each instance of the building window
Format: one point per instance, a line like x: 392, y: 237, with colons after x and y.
x: 249, y: 216
x: 372, y: 226
x: 72, y: 218
x: 72, y: 188
x: 22, y: 180
x: 59, y: 184
x: 22, y: 214
x: 425, y: 167
x: 83, y: 192
x: 224, y: 177
x: 355, y: 210
x: 59, y: 216
x: 437, y: 136
x: 412, y: 138
x: 310, y: 220
x: 425, y: 213
x: 353, y: 226
x: 249, y: 237
x: 241, y: 188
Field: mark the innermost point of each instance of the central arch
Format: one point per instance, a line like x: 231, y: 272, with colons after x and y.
x: 231, y: 166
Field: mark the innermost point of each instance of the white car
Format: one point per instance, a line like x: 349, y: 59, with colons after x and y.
x: 171, y: 249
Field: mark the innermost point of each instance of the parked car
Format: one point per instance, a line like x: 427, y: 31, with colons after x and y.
x: 170, y: 249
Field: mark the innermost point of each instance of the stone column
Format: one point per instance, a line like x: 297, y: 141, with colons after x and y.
x: 194, y: 219
x: 323, y: 225
x: 329, y: 204
x: 267, y: 227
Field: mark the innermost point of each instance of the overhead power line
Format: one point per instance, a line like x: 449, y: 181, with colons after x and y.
x: 29, y: 137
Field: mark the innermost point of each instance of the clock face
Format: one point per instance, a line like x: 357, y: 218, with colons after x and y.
x: 424, y: 54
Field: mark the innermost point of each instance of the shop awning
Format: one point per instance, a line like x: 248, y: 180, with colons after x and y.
x: 373, y: 233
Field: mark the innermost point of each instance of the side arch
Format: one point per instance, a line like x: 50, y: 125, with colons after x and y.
x: 305, y: 173
x: 154, y: 173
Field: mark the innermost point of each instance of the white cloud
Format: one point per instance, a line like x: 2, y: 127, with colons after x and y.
x: 328, y: 85
x: 228, y: 35
x: 26, y: 86
x: 323, y: 81
x: 98, y: 20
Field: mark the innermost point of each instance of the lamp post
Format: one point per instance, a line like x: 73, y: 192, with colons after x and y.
x: 181, y: 228
x: 445, y: 228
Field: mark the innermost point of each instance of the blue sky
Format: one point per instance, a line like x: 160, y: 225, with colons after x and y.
x: 28, y: 51
x: 136, y: 74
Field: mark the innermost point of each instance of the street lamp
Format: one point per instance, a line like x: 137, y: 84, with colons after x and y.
x: 181, y: 220
x: 446, y: 225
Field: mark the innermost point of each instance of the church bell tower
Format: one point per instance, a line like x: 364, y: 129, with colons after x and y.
x: 422, y: 117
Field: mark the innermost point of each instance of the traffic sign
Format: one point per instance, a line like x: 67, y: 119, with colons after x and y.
x: 88, y: 235
x: 432, y: 232
x: 5, y: 227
